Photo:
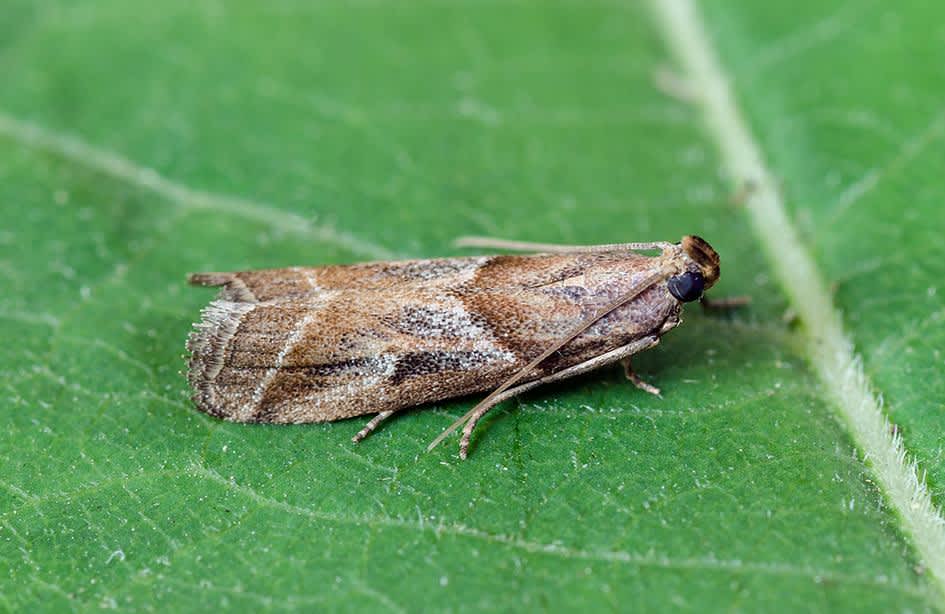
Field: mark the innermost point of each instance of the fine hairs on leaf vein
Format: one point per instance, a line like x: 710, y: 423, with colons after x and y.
x: 829, y: 349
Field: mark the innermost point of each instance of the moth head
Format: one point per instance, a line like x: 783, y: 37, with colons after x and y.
x: 701, y: 275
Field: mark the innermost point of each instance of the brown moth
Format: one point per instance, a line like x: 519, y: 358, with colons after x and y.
x: 318, y: 344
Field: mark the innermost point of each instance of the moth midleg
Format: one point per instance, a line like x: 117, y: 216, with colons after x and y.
x: 553, y: 248
x: 614, y: 355
x: 635, y: 379
x: 371, y: 425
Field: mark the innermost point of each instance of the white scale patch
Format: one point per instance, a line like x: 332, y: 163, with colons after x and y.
x: 381, y: 368
x: 446, y: 319
x: 448, y: 316
x: 218, y: 323
x: 451, y: 319
x: 457, y: 268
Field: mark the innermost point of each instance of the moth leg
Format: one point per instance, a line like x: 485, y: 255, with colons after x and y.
x: 371, y: 425
x: 637, y: 381
x: 624, y: 351
x: 723, y: 304
x: 473, y: 419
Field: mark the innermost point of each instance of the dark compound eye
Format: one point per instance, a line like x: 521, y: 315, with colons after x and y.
x: 687, y: 287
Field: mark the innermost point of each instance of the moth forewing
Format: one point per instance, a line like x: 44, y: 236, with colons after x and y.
x: 316, y: 344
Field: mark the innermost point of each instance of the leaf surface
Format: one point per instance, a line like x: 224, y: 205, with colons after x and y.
x: 139, y: 143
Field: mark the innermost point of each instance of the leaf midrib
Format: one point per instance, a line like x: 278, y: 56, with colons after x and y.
x: 828, y: 348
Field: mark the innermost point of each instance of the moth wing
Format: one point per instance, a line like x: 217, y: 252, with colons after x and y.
x: 323, y: 343
x: 342, y: 353
x: 477, y: 273
x: 300, y: 282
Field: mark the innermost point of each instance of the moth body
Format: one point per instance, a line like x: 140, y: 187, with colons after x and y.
x: 318, y: 344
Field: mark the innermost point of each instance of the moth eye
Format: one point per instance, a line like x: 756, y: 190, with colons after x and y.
x: 687, y: 287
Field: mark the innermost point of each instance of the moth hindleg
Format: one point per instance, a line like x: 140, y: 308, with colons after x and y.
x: 624, y: 351
x: 482, y: 411
x: 371, y: 425
x: 636, y: 379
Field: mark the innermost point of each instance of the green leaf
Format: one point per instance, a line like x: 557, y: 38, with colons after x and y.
x: 139, y: 142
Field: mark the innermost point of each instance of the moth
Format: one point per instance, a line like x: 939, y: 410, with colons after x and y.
x: 318, y: 344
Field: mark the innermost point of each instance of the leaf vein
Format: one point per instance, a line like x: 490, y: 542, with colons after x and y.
x: 829, y: 350
x: 113, y: 165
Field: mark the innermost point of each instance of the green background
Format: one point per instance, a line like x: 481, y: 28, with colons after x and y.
x: 141, y: 141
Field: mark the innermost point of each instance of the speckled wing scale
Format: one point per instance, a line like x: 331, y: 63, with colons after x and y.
x: 318, y: 344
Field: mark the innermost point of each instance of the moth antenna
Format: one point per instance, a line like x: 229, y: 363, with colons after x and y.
x: 583, y: 326
x: 553, y: 248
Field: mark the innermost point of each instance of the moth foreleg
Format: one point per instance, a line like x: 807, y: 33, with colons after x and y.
x: 371, y: 425
x: 636, y: 380
x: 624, y: 351
x: 724, y: 304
